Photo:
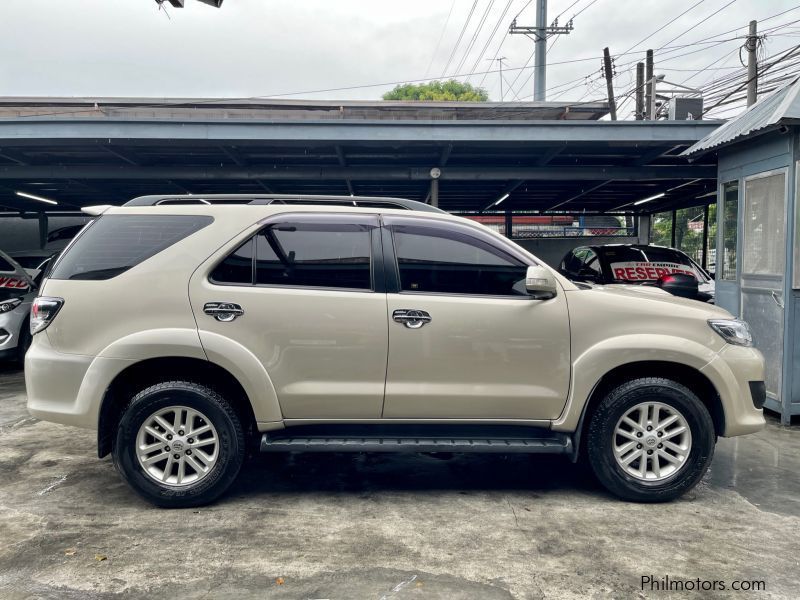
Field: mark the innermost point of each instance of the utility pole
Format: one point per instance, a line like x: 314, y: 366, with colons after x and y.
x: 612, y: 105
x: 639, y: 91
x: 752, y: 66
x: 650, y: 90
x: 539, y: 34
x: 500, y: 62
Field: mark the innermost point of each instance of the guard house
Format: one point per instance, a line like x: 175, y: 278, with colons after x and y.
x: 758, y: 242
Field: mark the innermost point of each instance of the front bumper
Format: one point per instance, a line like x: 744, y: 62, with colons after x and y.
x: 732, y: 372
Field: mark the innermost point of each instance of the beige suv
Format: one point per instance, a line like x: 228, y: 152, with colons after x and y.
x: 189, y: 330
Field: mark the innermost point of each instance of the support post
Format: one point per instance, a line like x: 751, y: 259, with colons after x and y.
x: 639, y: 91
x: 752, y: 65
x: 649, y: 86
x: 612, y: 106
x: 509, y: 223
x: 674, y: 222
x: 43, y: 227
x: 705, y: 238
x: 540, y: 59
x: 644, y: 229
x: 434, y: 192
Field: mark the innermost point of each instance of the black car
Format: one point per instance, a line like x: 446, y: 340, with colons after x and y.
x: 635, y: 264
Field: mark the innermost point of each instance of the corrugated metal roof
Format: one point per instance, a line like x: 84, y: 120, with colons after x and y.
x: 779, y: 107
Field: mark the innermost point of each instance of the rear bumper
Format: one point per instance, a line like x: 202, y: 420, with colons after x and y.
x: 67, y: 388
x: 732, y: 373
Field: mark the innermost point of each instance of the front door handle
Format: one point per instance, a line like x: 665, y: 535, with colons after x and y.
x: 223, y: 311
x: 411, y: 317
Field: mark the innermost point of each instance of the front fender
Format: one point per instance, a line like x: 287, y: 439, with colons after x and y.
x: 592, y: 364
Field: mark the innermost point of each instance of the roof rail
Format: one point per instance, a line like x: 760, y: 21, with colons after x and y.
x: 266, y: 199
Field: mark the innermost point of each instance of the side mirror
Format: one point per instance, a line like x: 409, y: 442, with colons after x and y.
x: 679, y: 284
x: 540, y: 283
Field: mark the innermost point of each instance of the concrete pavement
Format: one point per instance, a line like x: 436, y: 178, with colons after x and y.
x: 387, y: 526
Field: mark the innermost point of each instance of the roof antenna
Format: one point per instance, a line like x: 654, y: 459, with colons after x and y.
x: 164, y: 8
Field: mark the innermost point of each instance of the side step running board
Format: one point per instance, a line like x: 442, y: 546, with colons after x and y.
x: 284, y: 441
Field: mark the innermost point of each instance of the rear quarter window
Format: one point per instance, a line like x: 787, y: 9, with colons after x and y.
x: 115, y: 243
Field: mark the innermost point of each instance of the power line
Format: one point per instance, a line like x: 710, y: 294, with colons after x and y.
x: 475, y: 35
x: 441, y: 36
x: 460, y: 35
x: 491, y: 37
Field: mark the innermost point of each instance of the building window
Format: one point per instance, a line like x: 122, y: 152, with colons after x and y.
x: 729, y: 222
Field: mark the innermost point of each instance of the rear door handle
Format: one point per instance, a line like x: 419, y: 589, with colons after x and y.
x: 223, y: 311
x: 411, y: 317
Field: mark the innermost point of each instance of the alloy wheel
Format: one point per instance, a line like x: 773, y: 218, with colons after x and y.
x: 177, y: 446
x: 652, y: 441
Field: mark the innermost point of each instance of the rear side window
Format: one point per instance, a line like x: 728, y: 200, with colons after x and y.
x: 115, y: 243
x: 329, y: 252
x: 6, y: 266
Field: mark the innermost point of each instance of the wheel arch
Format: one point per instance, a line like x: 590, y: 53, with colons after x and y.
x: 142, y: 374
x: 681, y: 373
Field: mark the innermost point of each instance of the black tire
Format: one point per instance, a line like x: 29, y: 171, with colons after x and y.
x: 231, y: 448
x: 25, y: 339
x: 600, y: 439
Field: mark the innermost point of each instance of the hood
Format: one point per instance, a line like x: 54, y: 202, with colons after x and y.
x: 652, y: 293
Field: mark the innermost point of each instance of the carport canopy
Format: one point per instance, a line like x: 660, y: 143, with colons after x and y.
x: 548, y: 157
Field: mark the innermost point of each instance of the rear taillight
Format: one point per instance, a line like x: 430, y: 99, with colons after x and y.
x: 43, y: 311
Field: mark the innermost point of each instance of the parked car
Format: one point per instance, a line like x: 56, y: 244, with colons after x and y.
x: 17, y: 290
x: 639, y: 264
x: 183, y: 329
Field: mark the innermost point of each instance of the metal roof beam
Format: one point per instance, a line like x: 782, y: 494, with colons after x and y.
x: 157, y: 172
x: 128, y: 156
x: 652, y: 133
x: 234, y: 156
x: 14, y: 156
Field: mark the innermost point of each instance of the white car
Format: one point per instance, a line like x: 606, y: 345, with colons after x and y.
x: 187, y: 330
x: 17, y: 290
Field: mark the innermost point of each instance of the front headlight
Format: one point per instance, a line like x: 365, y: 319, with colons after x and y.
x: 732, y: 331
x: 9, y: 305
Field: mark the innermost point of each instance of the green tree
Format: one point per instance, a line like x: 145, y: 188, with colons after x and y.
x: 438, y: 91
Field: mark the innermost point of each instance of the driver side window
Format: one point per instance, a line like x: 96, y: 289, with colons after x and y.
x: 455, y: 261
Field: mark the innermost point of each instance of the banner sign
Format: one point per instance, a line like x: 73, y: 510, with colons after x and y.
x: 647, y: 271
x: 13, y: 282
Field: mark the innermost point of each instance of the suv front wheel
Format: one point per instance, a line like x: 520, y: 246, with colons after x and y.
x: 179, y: 444
x: 650, y: 440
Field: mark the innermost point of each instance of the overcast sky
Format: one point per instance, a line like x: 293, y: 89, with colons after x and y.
x: 274, y: 47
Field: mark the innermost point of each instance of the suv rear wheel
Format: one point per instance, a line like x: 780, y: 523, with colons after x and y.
x: 179, y: 444
x: 650, y: 440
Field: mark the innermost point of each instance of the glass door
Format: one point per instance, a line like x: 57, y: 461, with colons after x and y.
x: 763, y: 268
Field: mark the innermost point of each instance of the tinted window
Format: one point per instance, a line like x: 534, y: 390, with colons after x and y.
x: 115, y: 243
x: 591, y: 263
x: 572, y: 262
x: 237, y: 267
x: 454, y: 261
x: 6, y: 266
x: 320, y: 254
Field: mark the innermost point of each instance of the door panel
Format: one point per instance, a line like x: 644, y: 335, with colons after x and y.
x: 489, y: 358
x: 489, y: 351
x: 763, y: 269
x: 324, y: 349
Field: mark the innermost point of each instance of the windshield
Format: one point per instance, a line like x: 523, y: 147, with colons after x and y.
x: 631, y: 264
